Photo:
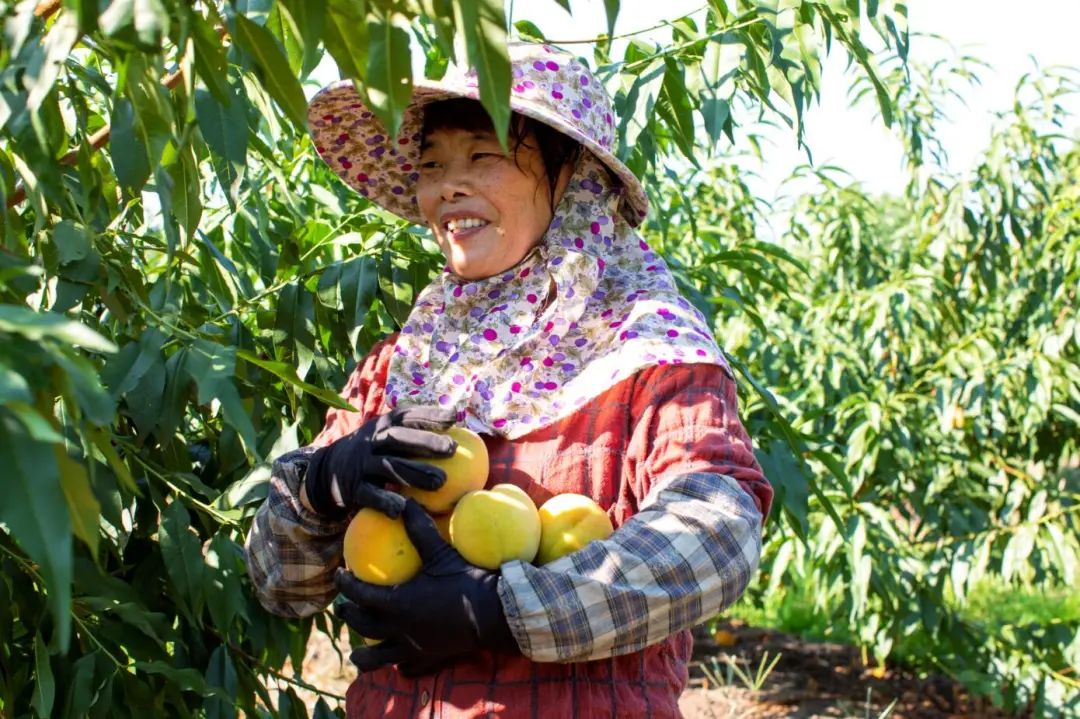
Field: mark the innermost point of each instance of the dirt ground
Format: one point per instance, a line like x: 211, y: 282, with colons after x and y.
x: 811, y: 680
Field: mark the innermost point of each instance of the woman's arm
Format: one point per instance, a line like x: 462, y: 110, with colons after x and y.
x: 689, y: 551
x: 291, y: 551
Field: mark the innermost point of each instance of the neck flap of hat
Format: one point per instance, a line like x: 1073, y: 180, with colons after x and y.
x: 588, y: 307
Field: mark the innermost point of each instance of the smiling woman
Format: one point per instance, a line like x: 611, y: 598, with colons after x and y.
x: 556, y: 333
x: 488, y: 208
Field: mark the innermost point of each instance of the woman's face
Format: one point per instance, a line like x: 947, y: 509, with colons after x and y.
x: 487, y: 211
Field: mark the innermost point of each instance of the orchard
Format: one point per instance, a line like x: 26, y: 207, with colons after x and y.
x: 184, y: 289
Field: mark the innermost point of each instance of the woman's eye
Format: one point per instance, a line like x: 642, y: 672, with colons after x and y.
x: 483, y: 155
x: 428, y: 165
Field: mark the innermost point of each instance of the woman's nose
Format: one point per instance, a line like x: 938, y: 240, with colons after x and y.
x: 456, y: 181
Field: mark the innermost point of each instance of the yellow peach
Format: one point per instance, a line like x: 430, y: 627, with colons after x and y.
x: 568, y: 522
x: 466, y: 471
x: 493, y: 526
x: 377, y: 549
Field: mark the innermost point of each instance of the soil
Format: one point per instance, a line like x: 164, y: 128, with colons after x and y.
x: 810, y: 680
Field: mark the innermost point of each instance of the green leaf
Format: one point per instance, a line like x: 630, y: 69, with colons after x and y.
x: 225, y: 571
x: 785, y: 474
x: 44, y: 686
x: 154, y: 625
x: 279, y: 80
x: 788, y: 433
x: 717, y: 116
x: 680, y: 111
x: 484, y: 26
x: 188, y: 680
x: 345, y: 36
x: 389, y: 71
x: 1018, y: 550
x: 221, y: 673
x: 153, y: 112
x: 13, y: 387
x: 290, y: 706
x: 147, y: 20
x: 210, y: 62
x: 611, y: 9
x: 223, y: 125
x: 35, y: 513
x: 80, y: 686
x: 151, y: 21
x: 528, y: 30
x: 225, y: 129
x: 103, y: 441
x: 41, y: 76
x: 85, y: 388
x: 287, y: 373
x: 126, y: 147
x: 637, y: 113
x: 72, y: 242
x: 294, y: 326
x: 36, y: 326
x: 36, y: 424
x: 212, y: 367
x: 137, y: 374
x: 186, y: 203
x: 400, y: 280
x: 359, y: 283
x: 82, y: 505
x: 308, y: 19
x: 322, y: 710
x: 181, y: 550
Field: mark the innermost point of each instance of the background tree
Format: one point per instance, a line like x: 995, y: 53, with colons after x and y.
x: 185, y: 287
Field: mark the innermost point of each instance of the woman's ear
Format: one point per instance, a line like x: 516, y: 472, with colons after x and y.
x: 563, y: 182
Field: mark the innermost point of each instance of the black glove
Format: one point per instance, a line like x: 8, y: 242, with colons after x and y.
x: 450, y: 609
x: 360, y: 464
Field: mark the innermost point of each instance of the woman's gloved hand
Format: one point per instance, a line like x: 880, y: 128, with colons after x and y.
x: 450, y: 609
x: 351, y: 473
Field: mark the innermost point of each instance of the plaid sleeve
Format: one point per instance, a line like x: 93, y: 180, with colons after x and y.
x: 291, y: 552
x: 685, y: 557
x: 688, y: 552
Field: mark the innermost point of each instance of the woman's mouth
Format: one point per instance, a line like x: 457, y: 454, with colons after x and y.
x: 463, y: 228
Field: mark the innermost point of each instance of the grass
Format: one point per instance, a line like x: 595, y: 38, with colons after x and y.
x: 992, y: 604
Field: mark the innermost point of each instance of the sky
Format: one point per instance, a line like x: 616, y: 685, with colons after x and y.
x: 1006, y: 34
x: 1012, y: 37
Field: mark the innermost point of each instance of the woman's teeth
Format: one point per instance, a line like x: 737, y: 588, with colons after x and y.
x: 465, y: 224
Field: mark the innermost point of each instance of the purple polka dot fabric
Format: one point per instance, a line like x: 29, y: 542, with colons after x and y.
x: 529, y: 346
x: 548, y: 84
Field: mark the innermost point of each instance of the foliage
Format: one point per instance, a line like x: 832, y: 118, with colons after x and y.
x: 185, y: 287
x: 927, y: 351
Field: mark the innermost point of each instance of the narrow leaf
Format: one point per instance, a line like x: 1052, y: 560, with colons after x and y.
x: 287, y: 373
x: 345, y: 36
x: 221, y: 673
x: 35, y: 513
x: 484, y: 26
x: 389, y: 70
x: 183, y: 557
x: 278, y: 79
x: 39, y: 325
x: 82, y: 505
x: 44, y: 685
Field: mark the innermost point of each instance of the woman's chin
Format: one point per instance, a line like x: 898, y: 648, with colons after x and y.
x: 468, y: 264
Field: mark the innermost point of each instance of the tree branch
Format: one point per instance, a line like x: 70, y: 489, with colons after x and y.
x: 100, y: 138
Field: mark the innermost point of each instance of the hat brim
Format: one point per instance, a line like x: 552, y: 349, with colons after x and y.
x: 354, y: 144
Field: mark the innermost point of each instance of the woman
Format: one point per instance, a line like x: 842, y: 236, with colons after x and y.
x: 556, y: 333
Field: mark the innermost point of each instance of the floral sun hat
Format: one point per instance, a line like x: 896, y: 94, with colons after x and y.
x: 549, y: 85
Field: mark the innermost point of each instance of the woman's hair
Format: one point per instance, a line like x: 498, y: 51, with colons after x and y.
x: 556, y: 149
